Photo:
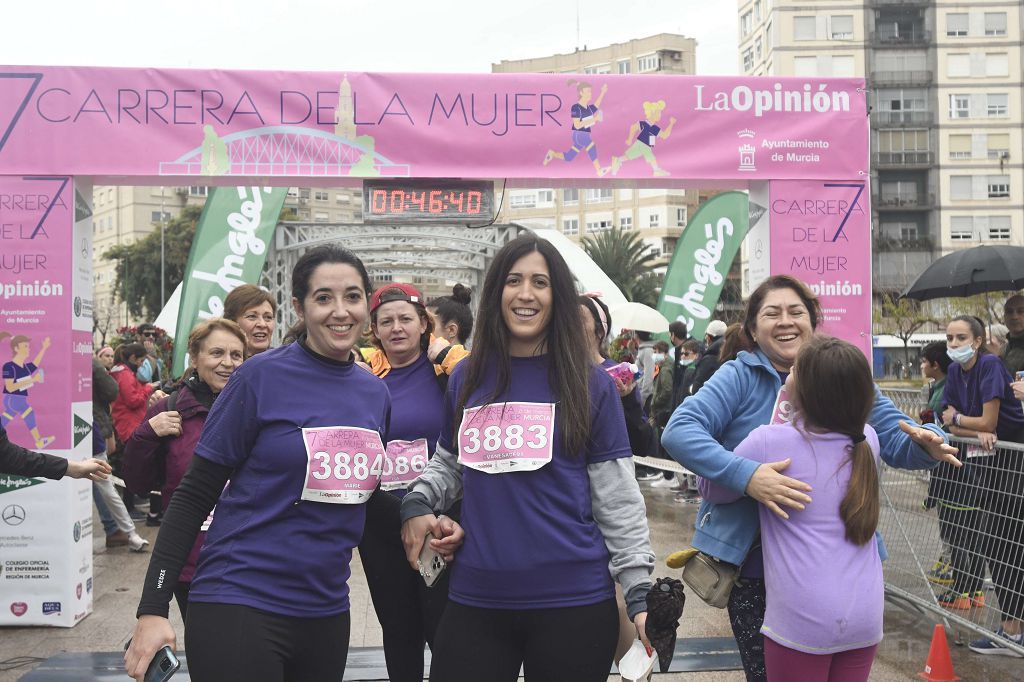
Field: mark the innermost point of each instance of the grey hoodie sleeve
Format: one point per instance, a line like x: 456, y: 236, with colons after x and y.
x: 437, y: 488
x: 621, y: 514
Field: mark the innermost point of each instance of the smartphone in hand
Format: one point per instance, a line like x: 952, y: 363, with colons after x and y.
x: 163, y: 665
x: 431, y: 563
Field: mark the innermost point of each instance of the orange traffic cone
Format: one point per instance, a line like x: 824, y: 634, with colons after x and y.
x: 939, y: 667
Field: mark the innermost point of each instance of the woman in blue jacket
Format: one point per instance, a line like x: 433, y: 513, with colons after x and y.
x: 782, y: 314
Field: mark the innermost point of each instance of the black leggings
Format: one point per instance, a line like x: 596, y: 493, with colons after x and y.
x: 573, y: 644
x: 746, y: 615
x: 1004, y: 546
x: 407, y: 609
x: 229, y: 642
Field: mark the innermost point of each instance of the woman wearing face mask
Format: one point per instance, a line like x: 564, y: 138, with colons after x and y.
x: 253, y: 310
x: 980, y: 404
x: 161, y: 448
x: 129, y: 409
x: 407, y: 609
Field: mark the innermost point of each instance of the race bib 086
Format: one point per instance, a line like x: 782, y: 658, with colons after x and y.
x: 403, y: 462
x: 343, y: 464
x: 507, y: 437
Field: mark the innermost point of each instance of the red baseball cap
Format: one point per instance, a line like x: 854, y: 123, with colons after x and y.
x: 395, y: 292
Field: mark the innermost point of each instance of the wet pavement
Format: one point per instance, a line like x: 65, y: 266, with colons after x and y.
x: 118, y: 575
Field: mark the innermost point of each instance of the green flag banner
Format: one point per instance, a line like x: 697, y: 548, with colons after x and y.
x: 701, y: 261
x: 229, y: 249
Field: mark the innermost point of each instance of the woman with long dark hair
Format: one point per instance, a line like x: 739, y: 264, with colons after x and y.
x: 299, y: 431
x: 979, y: 403
x: 534, y: 442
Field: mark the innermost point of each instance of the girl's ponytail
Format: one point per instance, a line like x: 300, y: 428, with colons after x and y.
x: 860, y: 506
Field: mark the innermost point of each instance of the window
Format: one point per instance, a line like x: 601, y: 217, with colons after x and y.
x: 757, y: 10
x: 961, y: 228
x: 842, y: 66
x: 903, y: 140
x: 623, y: 66
x: 304, y: 194
x: 343, y: 198
x: 897, y: 105
x: 570, y: 197
x: 320, y: 196
x: 899, y: 192
x: 598, y: 225
x: 956, y: 24
x: 598, y: 69
x: 997, y: 105
x: 959, y: 106
x: 998, y: 145
x: 598, y: 195
x: 959, y: 147
x: 522, y: 200
x: 571, y: 225
x: 195, y: 191
x: 958, y: 65
x: 648, y: 62
x: 748, y: 59
x: 159, y: 216
x: 842, y: 27
x: 681, y: 217
x: 746, y: 23
x: 546, y: 196
x: 998, y: 186
x: 960, y: 187
x: 999, y: 227
x: 805, y: 66
x: 667, y: 246
x: 804, y: 28
x: 996, y: 64
x: 654, y: 220
x: 902, y: 60
x: 758, y: 49
x: 321, y: 217
x: 995, y: 23
x: 625, y: 222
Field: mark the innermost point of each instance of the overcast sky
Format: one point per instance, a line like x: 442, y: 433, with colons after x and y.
x: 356, y: 35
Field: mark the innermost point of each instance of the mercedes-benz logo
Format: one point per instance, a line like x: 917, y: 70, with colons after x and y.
x: 13, y: 515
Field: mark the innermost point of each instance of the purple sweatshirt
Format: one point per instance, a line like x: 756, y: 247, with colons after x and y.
x: 824, y: 594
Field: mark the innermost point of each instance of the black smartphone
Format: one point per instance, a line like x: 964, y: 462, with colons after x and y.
x: 163, y: 665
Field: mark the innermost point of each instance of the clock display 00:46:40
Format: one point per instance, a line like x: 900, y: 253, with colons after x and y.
x: 434, y: 202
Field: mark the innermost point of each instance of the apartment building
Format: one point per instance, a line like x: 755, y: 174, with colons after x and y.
x: 946, y: 99
x: 659, y: 215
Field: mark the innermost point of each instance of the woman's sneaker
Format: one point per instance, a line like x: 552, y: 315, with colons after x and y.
x: 955, y: 600
x: 136, y: 542
x: 994, y: 645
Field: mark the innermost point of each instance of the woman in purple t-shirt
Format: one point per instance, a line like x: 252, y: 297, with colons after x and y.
x: 534, y: 443
x: 979, y: 403
x: 812, y: 630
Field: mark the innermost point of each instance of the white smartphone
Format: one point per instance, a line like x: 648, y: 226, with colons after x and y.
x: 431, y: 563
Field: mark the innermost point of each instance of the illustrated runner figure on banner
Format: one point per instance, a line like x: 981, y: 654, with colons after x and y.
x: 584, y: 115
x: 19, y: 375
x: 642, y: 137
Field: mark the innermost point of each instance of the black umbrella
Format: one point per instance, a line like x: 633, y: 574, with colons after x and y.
x: 971, y: 271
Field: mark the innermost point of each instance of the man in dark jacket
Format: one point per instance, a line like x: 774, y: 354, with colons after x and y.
x: 708, y: 362
x: 1013, y: 352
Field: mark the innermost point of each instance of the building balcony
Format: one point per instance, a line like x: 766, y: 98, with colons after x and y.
x: 905, y: 203
x: 901, y: 77
x: 902, y: 159
x: 895, y: 269
x: 903, y: 118
x: 884, y: 243
x: 891, y: 38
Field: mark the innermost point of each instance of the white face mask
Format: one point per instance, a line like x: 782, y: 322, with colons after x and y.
x: 961, y: 355
x: 658, y: 358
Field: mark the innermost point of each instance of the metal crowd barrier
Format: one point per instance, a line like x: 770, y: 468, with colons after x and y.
x: 956, y: 538
x: 910, y: 401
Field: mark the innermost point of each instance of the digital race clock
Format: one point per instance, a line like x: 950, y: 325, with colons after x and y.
x: 462, y: 201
